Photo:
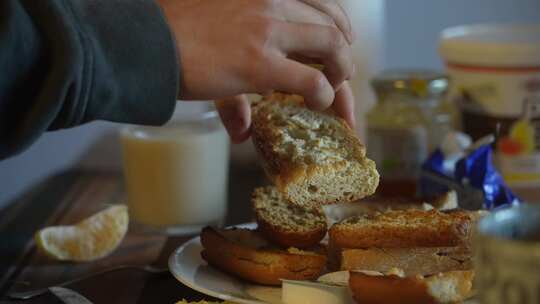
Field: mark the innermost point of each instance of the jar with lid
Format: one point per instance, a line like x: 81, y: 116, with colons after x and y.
x: 495, y: 83
x: 409, y: 120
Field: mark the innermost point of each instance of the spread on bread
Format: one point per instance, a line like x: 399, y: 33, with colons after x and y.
x: 313, y: 158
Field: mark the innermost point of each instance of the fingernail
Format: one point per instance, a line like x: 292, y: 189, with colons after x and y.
x: 327, y: 100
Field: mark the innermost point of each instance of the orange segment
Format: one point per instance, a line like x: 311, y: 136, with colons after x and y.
x: 90, y: 239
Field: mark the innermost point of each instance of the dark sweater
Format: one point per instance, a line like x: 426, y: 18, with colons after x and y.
x: 67, y: 62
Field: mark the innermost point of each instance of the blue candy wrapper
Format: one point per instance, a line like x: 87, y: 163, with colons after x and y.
x: 475, y: 178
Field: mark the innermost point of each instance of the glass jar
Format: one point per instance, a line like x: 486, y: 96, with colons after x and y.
x: 176, y: 175
x: 410, y: 120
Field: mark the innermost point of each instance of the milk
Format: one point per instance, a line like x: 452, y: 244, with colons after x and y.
x: 176, y: 176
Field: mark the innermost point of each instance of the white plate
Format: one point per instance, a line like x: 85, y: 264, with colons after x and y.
x: 187, y: 266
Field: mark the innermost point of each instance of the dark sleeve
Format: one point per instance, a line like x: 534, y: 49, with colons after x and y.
x: 67, y: 62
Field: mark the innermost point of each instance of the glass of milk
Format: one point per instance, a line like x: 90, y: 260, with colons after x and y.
x: 176, y: 175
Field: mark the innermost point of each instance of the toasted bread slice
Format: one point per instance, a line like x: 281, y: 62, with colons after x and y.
x: 286, y: 224
x: 446, y: 201
x: 313, y: 158
x: 404, y: 228
x: 446, y: 287
x: 245, y: 254
x: 203, y: 302
x: 413, y: 261
x: 339, y: 212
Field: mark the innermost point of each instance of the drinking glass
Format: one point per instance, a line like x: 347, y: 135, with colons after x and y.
x: 176, y: 175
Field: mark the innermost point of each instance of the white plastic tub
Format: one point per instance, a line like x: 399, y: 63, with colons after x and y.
x: 495, y: 80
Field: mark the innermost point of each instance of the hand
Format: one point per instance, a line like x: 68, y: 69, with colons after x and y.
x: 257, y: 46
x: 235, y: 112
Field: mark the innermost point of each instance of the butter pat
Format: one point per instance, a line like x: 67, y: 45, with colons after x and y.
x: 305, y: 292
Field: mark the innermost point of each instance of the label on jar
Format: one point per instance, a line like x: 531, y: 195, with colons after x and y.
x: 505, y: 103
x: 492, y: 92
x: 398, y: 153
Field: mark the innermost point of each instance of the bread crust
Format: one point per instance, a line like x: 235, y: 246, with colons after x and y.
x: 290, y: 238
x: 258, y: 265
x: 289, y: 175
x: 339, y: 212
x: 395, y: 229
x: 281, y: 170
x: 288, y: 232
x: 390, y: 289
x: 413, y: 261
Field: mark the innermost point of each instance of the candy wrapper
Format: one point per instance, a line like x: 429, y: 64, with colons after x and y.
x: 467, y: 169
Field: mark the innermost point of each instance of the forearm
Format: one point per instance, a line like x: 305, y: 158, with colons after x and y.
x: 67, y: 62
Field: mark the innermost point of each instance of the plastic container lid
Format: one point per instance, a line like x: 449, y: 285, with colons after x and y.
x: 491, y: 45
x: 418, y: 83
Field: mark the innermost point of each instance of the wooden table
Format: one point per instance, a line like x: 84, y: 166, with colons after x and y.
x: 70, y: 196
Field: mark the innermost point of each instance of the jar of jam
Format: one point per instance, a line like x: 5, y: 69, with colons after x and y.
x: 409, y: 120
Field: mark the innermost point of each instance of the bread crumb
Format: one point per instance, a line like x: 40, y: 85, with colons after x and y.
x: 308, y: 137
